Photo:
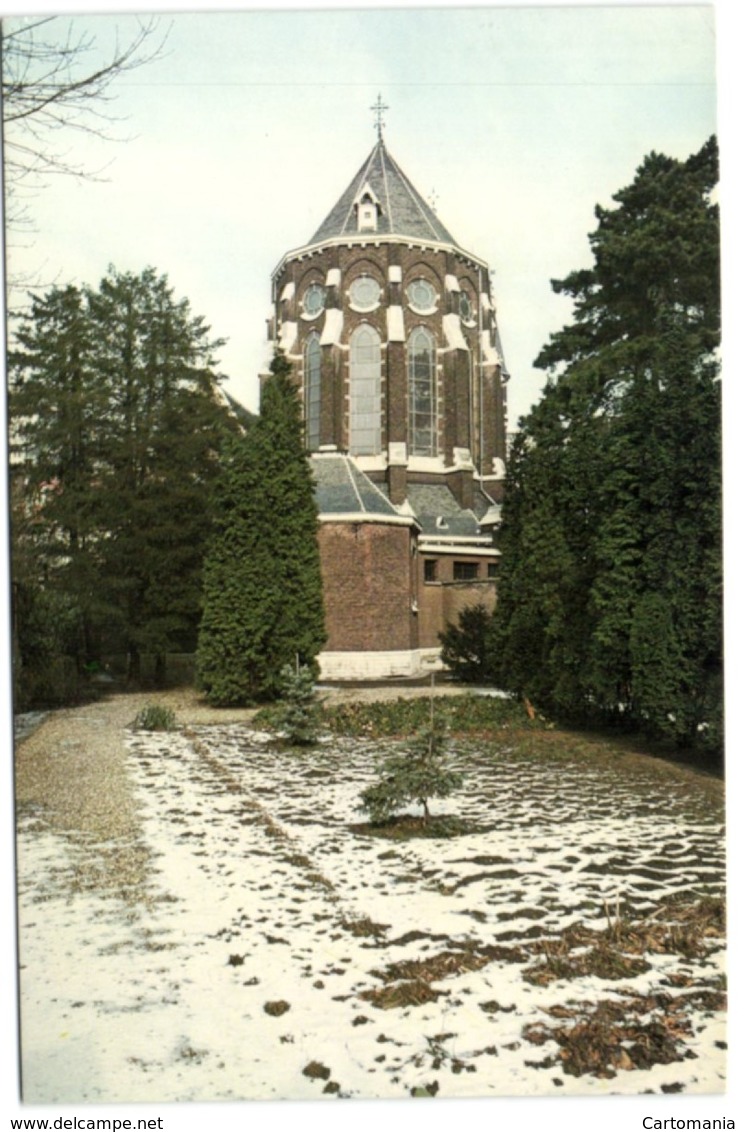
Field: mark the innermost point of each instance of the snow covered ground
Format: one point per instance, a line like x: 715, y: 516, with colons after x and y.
x: 243, y: 951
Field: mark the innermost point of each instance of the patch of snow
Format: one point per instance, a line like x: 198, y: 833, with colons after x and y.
x: 26, y: 722
x: 255, y: 880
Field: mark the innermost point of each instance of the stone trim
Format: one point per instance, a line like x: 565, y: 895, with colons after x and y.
x: 352, y: 241
x: 379, y: 665
x: 366, y: 517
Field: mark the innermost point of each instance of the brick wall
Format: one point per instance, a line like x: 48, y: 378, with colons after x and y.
x: 458, y: 374
x: 440, y: 602
x: 368, y: 586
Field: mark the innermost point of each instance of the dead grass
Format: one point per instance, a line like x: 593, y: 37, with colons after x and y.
x: 616, y: 953
x: 365, y: 927
x: 413, y: 993
x: 636, y: 1032
x: 409, y: 982
x: 691, y: 930
x: 604, y: 962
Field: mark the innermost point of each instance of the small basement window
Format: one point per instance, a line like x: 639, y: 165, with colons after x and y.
x: 492, y: 569
x: 431, y: 570
x: 465, y: 571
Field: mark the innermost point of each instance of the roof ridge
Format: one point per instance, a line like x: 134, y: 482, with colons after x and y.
x: 414, y: 195
x: 385, y: 152
x: 375, y: 487
x: 348, y: 465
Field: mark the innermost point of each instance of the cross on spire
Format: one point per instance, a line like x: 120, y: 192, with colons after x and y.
x: 378, y: 108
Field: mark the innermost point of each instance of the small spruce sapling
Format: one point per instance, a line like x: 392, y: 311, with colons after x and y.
x: 298, y: 712
x: 416, y: 774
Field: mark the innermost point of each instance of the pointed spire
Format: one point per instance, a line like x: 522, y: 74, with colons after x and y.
x: 402, y: 210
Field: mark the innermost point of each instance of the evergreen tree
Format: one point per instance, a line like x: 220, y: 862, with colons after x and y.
x: 57, y: 404
x: 299, y: 714
x: 412, y: 776
x: 610, y: 578
x: 263, y: 603
x: 165, y: 428
x: 117, y: 421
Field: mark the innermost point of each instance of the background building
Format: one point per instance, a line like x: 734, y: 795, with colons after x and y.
x: 392, y: 333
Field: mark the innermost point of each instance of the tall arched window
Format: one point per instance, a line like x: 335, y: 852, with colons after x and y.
x: 423, y: 438
x: 312, y: 373
x: 365, y: 392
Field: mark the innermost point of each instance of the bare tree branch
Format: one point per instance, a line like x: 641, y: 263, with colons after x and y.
x: 50, y: 88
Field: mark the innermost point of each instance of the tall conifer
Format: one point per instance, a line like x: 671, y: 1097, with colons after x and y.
x: 263, y: 605
x: 610, y: 581
x: 117, y: 422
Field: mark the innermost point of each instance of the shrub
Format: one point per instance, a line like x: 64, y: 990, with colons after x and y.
x: 465, y: 715
x: 465, y: 645
x: 55, y: 684
x: 155, y: 717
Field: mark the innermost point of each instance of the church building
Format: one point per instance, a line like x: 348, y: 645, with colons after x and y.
x: 391, y: 330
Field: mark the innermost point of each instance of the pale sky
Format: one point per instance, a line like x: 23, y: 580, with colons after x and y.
x: 516, y: 121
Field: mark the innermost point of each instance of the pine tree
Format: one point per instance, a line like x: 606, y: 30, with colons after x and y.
x: 57, y: 403
x: 464, y: 645
x: 262, y: 599
x: 610, y: 577
x: 165, y: 428
x: 117, y: 422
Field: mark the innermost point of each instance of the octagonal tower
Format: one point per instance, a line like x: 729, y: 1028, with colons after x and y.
x: 391, y: 330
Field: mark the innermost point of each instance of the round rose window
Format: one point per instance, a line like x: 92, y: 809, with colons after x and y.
x: 313, y: 300
x: 422, y: 296
x: 365, y: 293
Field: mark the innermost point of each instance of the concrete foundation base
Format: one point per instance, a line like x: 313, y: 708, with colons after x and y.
x: 379, y: 665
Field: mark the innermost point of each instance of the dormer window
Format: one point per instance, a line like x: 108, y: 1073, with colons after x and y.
x: 367, y: 209
x: 367, y: 218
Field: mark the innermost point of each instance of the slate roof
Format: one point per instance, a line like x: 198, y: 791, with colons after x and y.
x: 342, y: 489
x: 405, y: 212
x: 435, y: 505
x: 486, y: 508
x: 239, y: 411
